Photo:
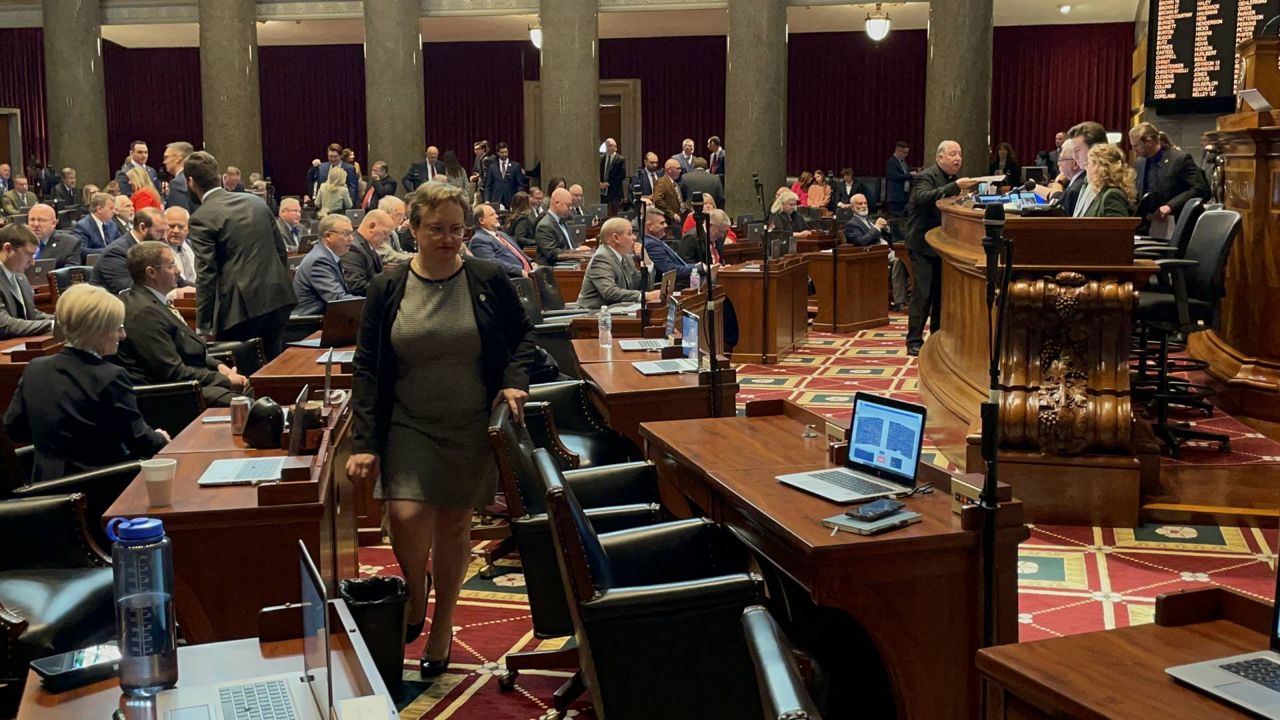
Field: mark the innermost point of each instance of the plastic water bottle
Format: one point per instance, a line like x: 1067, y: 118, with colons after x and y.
x: 695, y: 280
x: 604, y: 325
x: 142, y: 563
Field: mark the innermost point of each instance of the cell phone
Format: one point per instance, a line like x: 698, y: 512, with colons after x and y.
x: 216, y: 419
x: 78, y: 668
x: 883, y: 507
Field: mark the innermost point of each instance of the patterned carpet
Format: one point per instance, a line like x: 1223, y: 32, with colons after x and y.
x: 1071, y: 579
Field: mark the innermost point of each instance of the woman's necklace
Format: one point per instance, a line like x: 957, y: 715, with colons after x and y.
x: 418, y: 268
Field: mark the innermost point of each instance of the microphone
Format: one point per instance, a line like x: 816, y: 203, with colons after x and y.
x: 993, y: 221
x: 1029, y: 186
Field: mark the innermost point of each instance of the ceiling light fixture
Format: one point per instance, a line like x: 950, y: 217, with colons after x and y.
x: 877, y: 24
x: 535, y: 35
x: 1064, y: 9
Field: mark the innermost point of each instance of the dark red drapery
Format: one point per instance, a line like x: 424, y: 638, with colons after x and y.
x: 22, y: 87
x: 153, y: 95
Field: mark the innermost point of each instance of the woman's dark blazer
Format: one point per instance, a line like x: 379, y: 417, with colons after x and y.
x: 521, y: 228
x: 1012, y: 173
x: 1111, y: 202
x: 506, y: 346
x: 792, y: 223
x: 80, y: 413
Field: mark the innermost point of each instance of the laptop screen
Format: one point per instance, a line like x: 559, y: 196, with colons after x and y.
x: 315, y: 633
x: 673, y: 309
x: 886, y: 437
x: 689, y: 330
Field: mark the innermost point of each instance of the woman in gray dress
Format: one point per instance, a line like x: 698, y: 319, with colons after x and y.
x: 443, y: 340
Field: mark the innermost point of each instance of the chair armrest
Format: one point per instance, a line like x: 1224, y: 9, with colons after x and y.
x: 1171, y: 263
x: 47, y: 532
x: 733, y: 592
x: 621, y: 484
x: 569, y: 404
x: 672, y: 552
x: 555, y: 340
x: 101, y: 487
x: 603, y: 519
x: 540, y: 421
x: 564, y: 313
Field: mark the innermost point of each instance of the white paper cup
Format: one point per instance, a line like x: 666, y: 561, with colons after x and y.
x: 158, y: 475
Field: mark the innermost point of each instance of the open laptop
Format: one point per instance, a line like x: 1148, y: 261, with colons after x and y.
x: 305, y: 694
x: 691, y: 342
x: 255, y: 471
x: 1250, y: 681
x: 885, y: 436
x: 669, y: 329
x: 340, y: 326
x: 38, y: 271
x: 755, y: 231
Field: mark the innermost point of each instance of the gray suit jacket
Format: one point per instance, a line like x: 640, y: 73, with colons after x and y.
x: 609, y: 281
x: 551, y: 241
x: 21, y: 320
x: 178, y: 195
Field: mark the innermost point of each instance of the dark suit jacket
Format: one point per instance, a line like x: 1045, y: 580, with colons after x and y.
x: 521, y: 228
x: 861, y: 231
x: 500, y: 188
x: 178, y: 194
x: 1072, y: 191
x: 615, y: 174
x: 122, y: 228
x: 66, y: 196
x: 318, y: 281
x: 353, y: 180
x: 381, y: 188
x: 686, y: 164
x: 359, y: 265
x: 1012, y: 172
x: 418, y: 174
x: 690, y: 250
x: 90, y: 237
x: 665, y: 260
x: 897, y: 177
x: 64, y: 246
x: 122, y: 178
x: 714, y: 167
x: 112, y: 270
x: 930, y: 186
x: 642, y: 178
x: 161, y: 348
x: 80, y: 413
x: 839, y: 194
x: 792, y: 223
x: 1175, y: 178
x: 506, y: 346
x: 487, y: 247
x: 21, y: 319
x: 703, y: 182
x: 241, y: 270
x: 551, y: 241
x: 1111, y: 202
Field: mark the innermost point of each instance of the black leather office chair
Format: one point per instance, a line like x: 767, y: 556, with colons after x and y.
x: 1182, y: 230
x: 531, y: 299
x: 170, y: 406
x: 553, y: 337
x: 655, y: 612
x: 544, y: 281
x: 65, y: 277
x: 563, y: 420
x: 68, y: 218
x: 616, y: 497
x: 782, y: 691
x: 246, y: 356
x: 55, y: 586
x: 1147, y: 204
x: 300, y: 326
x: 18, y: 219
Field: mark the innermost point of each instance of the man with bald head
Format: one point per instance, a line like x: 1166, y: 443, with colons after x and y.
x: 401, y: 246
x: 929, y: 186
x: 552, y: 235
x: 613, y: 173
x: 362, y: 262
x: 289, y: 222
x: 666, y: 192
x: 62, y: 245
x: 490, y: 243
x: 577, y: 197
x: 612, y: 277
x: 179, y: 222
x: 425, y: 171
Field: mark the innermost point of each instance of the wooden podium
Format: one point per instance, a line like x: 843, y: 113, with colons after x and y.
x: 772, y: 321
x: 1069, y: 445
x: 852, y: 287
x: 1244, y: 351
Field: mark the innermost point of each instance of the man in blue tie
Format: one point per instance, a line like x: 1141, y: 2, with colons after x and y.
x: 97, y: 229
x: 289, y: 223
x: 552, y: 235
x: 318, y: 280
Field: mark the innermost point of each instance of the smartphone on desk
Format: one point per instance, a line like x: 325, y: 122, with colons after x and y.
x: 884, y: 507
x: 78, y: 668
x: 216, y: 419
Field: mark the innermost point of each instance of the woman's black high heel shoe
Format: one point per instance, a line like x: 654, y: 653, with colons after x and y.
x: 413, y: 630
x: 432, y: 668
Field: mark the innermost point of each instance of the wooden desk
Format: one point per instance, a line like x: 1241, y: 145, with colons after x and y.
x: 816, y: 243
x: 770, y: 323
x: 1119, y: 674
x: 282, y: 378
x: 10, y: 371
x: 915, y: 591
x: 589, y: 350
x: 233, y: 556
x: 569, y: 280
x: 852, y: 287
x: 625, y: 398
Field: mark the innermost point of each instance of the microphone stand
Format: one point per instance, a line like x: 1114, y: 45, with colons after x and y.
x: 764, y: 268
x: 712, y: 312
x: 999, y: 253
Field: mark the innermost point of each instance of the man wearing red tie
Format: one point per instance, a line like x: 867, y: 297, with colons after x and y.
x: 490, y: 243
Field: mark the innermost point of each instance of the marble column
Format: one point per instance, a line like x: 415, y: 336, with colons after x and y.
x: 229, y: 83
x: 393, y: 82
x: 755, y: 133
x: 77, y: 96
x: 570, y: 92
x: 957, y: 102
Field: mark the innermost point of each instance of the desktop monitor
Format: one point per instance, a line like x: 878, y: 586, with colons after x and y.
x: 315, y: 634
x: 690, y: 337
x: 673, y: 310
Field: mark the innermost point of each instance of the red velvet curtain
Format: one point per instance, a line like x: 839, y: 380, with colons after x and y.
x: 849, y: 100
x: 153, y: 94
x: 1047, y: 78
x: 312, y: 95
x: 22, y: 87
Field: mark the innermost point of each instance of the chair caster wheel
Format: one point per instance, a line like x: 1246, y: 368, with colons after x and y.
x: 488, y: 572
x: 507, y: 680
x: 1224, y: 447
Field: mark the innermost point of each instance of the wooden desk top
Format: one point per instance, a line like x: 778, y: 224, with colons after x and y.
x: 589, y: 350
x: 193, y: 504
x: 619, y: 379
x: 284, y: 376
x: 201, y: 437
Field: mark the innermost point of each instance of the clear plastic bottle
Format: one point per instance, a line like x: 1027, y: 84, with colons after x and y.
x: 142, y: 564
x: 695, y: 280
x: 604, y: 324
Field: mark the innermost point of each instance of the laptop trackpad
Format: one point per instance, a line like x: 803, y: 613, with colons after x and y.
x: 198, y: 712
x: 1249, y: 692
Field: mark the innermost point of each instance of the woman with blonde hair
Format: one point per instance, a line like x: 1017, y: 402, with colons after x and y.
x: 139, y: 178
x: 333, y: 196
x: 785, y: 218
x: 1112, y: 181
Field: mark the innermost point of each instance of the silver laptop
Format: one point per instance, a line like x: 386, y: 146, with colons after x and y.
x: 1250, y: 681
x: 305, y: 694
x: 669, y: 329
x: 691, y: 345
x: 885, y: 436
x: 255, y: 471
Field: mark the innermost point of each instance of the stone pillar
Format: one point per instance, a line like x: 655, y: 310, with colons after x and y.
x: 755, y: 133
x: 957, y: 102
x: 77, y: 95
x: 570, y: 90
x: 229, y: 83
x: 393, y: 84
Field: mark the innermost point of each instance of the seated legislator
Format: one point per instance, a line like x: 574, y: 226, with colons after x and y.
x: 719, y: 234
x: 112, y: 270
x: 63, y: 246
x: 19, y: 316
x: 708, y: 204
x: 159, y: 346
x: 520, y: 227
x: 97, y: 228
x: 1112, y: 182
x: 289, y: 223
x: 785, y: 218
x: 75, y: 407
x: 400, y: 246
x: 363, y: 262
x: 862, y: 231
x: 611, y: 277
x: 490, y: 243
x: 318, y: 280
x: 552, y: 235
x: 664, y: 259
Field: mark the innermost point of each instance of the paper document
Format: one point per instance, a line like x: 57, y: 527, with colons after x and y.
x: 339, y: 356
x: 989, y: 178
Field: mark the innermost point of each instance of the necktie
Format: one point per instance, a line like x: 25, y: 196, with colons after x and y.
x: 715, y: 163
x: 504, y: 168
x: 175, y: 311
x: 368, y: 195
x: 568, y: 237
x: 431, y: 171
x: 16, y: 284
x: 524, y: 261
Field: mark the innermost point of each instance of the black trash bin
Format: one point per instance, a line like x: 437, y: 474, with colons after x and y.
x: 377, y: 605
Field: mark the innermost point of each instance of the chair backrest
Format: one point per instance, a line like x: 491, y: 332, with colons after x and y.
x: 528, y: 299
x: 65, y: 277
x: 1209, y: 246
x: 1147, y: 205
x: 544, y: 279
x: 782, y: 691
x: 1182, y: 229
x: 170, y: 406
x: 18, y: 219
x: 247, y: 356
x: 584, y: 566
x: 513, y: 449
x: 300, y: 326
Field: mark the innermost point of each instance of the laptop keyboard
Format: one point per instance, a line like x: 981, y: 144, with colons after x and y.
x: 254, y: 469
x: 647, y: 344
x: 1264, y: 671
x: 257, y: 701
x: 672, y: 365
x: 849, y: 482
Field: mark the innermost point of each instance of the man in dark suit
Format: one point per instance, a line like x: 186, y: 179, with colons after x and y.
x: 242, y: 279
x: 1071, y: 176
x: 685, y: 157
x: 137, y: 158
x: 19, y: 316
x: 334, y: 153
x: 362, y: 262
x: 61, y: 245
x: 718, y: 225
x: 1049, y: 158
x: 424, y: 171
x: 552, y: 234
x: 1166, y: 171
x: 289, y: 223
x: 613, y: 173
x: 175, y: 154
x: 504, y: 179
x: 381, y: 184
x: 490, y: 243
x: 664, y: 259
x: 842, y: 192
x: 6, y: 181
x: 863, y: 230
x: 929, y: 186
x: 159, y: 346
x: 122, y: 214
x: 112, y: 270
x: 65, y: 193
x: 480, y: 166
x: 318, y: 280
x: 611, y: 277
x: 699, y: 180
x: 647, y: 176
x: 715, y: 158
x: 898, y: 176
x: 98, y: 228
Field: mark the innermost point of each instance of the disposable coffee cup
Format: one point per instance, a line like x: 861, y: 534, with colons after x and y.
x: 158, y: 475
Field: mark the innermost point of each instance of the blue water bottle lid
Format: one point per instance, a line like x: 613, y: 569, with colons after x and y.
x: 137, y: 530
